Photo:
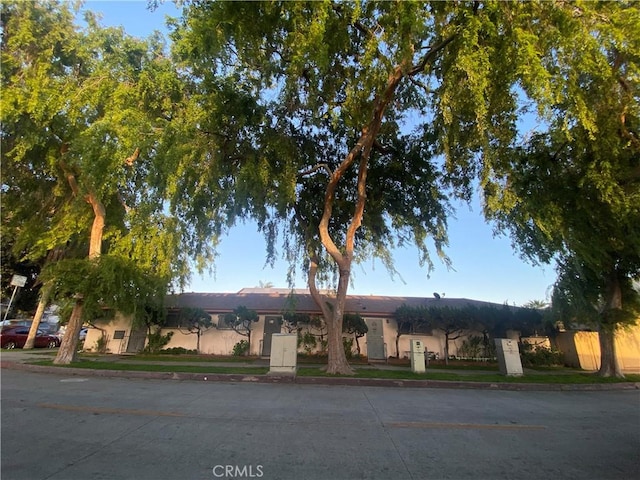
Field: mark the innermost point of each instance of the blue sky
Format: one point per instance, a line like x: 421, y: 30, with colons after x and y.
x: 484, y: 267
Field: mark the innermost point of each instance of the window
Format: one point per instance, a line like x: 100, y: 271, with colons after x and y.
x: 222, y: 322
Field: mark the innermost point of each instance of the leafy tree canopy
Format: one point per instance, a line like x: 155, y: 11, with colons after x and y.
x: 195, y: 319
x: 108, y: 284
x: 336, y: 124
x: 572, y: 193
x: 85, y: 122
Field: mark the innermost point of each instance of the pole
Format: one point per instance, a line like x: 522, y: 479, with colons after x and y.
x: 10, y: 302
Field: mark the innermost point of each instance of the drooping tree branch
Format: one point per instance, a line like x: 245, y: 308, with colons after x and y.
x: 315, y: 168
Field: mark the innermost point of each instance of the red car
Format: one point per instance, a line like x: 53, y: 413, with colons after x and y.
x: 16, y: 337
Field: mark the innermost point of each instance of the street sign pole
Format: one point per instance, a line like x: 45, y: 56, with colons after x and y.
x: 16, y: 281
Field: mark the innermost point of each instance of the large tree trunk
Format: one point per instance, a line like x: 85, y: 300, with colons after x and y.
x: 95, y: 242
x: 446, y: 348
x: 343, y: 257
x: 609, y: 366
x: 45, y: 293
x: 69, y: 346
x: 53, y: 256
x: 337, y: 360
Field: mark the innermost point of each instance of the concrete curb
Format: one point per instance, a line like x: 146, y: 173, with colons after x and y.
x: 344, y: 381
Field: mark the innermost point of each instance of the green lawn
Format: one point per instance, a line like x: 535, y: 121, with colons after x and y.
x: 549, y: 378
x: 565, y: 378
x: 143, y: 367
x: 144, y: 357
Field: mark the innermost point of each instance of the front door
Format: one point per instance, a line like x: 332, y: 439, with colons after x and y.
x: 136, y: 340
x: 375, y: 339
x: 271, y: 326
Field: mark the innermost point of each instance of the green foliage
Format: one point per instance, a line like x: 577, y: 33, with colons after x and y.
x: 338, y: 125
x: 411, y: 319
x: 354, y: 324
x: 579, y: 298
x: 296, y: 320
x: 242, y: 320
x: 241, y: 348
x: 477, y: 347
x: 86, y: 115
x: 347, y: 344
x: 157, y: 341
x: 107, y: 283
x: 483, y: 318
x: 570, y: 194
x: 307, y: 341
x: 536, y: 355
x: 178, y: 351
x: 101, y: 344
x: 195, y: 319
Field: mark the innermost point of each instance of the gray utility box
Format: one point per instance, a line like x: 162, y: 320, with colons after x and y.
x: 417, y: 356
x: 284, y: 354
x: 508, y: 357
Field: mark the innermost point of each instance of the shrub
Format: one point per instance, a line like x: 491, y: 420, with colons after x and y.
x: 471, y: 347
x: 347, y: 343
x: 241, y: 348
x: 535, y: 355
x: 307, y: 341
x: 478, y: 348
x: 178, y: 351
x: 101, y: 344
x: 157, y: 341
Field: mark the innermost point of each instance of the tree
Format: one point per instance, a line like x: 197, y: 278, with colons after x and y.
x: 354, y: 324
x: 86, y: 124
x: 572, y: 196
x: 241, y: 321
x: 409, y: 320
x: 109, y: 284
x: 451, y: 321
x: 571, y: 193
x: 536, y: 304
x: 339, y: 122
x: 10, y: 264
x: 196, y: 321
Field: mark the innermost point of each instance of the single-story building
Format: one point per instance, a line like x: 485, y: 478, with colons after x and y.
x: 121, y: 336
x: 272, y: 305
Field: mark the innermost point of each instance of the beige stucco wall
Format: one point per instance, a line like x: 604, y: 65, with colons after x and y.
x: 582, y: 349
x: 214, y: 341
x: 543, y: 342
x: 433, y: 343
x: 120, y: 322
x: 628, y: 349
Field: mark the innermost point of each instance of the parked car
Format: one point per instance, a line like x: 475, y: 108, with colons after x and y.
x: 82, y: 335
x: 16, y: 337
x: 45, y: 327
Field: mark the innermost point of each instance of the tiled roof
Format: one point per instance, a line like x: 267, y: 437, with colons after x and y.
x: 277, y: 302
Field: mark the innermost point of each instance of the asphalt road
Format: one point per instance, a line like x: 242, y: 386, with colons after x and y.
x: 56, y: 427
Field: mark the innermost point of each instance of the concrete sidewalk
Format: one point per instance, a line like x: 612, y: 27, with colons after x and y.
x: 23, y: 360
